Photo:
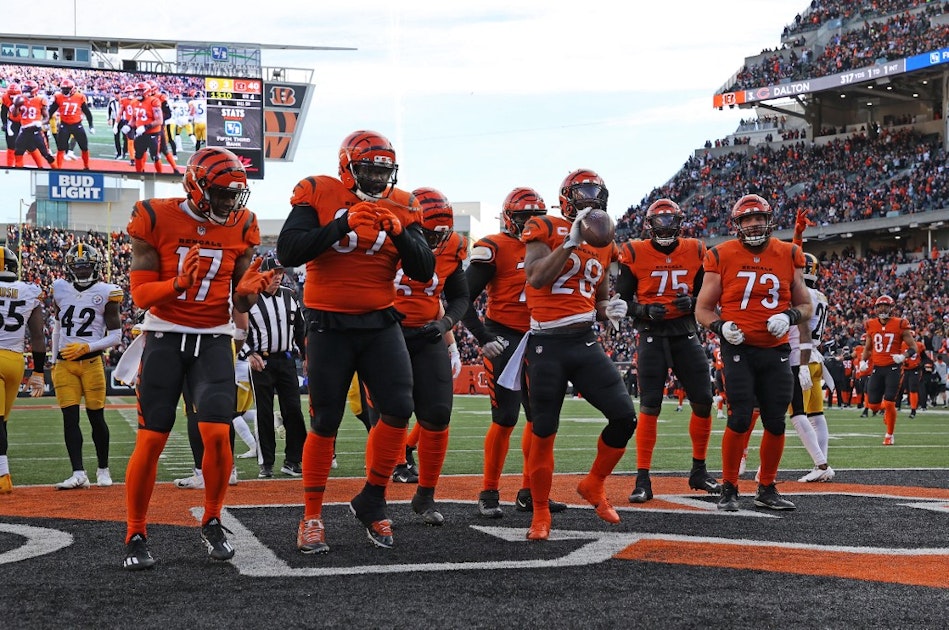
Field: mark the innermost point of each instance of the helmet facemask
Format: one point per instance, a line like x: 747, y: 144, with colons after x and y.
x: 664, y: 228
x: 373, y: 178
x: 224, y: 203
x: 755, y: 235
x: 581, y: 196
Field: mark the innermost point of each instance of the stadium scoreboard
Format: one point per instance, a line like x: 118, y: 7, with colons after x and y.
x: 235, y: 119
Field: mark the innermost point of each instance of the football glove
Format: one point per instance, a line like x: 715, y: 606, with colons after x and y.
x: 92, y: 131
x: 863, y: 366
x: 432, y: 331
x: 732, y: 333
x: 140, y: 130
x: 684, y: 302
x: 253, y: 281
x: 898, y: 358
x: 74, y: 350
x: 455, y: 357
x: 37, y: 384
x: 779, y: 324
x: 616, y: 309
x: 189, y: 269
x: 653, y: 312
x: 386, y: 221
x: 125, y: 130
x: 574, y: 238
x: 494, y: 348
x: 802, y: 221
x: 804, y: 377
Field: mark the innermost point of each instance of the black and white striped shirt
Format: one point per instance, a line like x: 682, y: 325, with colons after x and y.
x: 276, y: 323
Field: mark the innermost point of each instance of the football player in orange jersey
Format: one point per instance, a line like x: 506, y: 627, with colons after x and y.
x: 497, y: 266
x: 72, y: 106
x: 567, y: 293
x: 909, y: 381
x: 191, y: 261
x: 423, y: 328
x: 10, y: 119
x: 885, y: 336
x: 757, y: 282
x: 34, y: 114
x: 658, y: 277
x: 353, y: 233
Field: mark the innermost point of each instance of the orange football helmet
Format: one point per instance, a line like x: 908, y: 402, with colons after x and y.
x: 750, y: 205
x: 367, y: 165
x: 438, y: 218
x: 30, y: 87
x: 581, y: 189
x: 67, y: 86
x: 520, y: 205
x: 664, y: 221
x: 216, y: 184
x: 13, y: 89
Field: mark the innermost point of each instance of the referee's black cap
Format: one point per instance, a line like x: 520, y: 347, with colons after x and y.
x: 270, y: 262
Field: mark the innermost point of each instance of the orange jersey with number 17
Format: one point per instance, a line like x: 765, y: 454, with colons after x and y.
x: 755, y: 285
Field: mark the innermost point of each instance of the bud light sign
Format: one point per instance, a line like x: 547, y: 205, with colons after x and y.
x: 77, y: 187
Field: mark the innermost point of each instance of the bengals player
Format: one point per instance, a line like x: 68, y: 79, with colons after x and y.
x: 72, y: 106
x: 191, y: 259
x: 885, y: 336
x: 567, y: 292
x: 10, y: 119
x: 34, y: 114
x: 909, y: 382
x: 24, y: 302
x: 497, y: 268
x: 353, y: 233
x: 424, y: 329
x: 757, y: 283
x: 658, y: 278
x: 87, y: 322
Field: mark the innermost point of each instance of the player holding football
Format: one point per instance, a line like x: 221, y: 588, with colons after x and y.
x: 191, y: 260
x: 567, y: 292
x: 353, y: 233
x: 87, y: 323
x: 663, y: 274
x: 756, y: 281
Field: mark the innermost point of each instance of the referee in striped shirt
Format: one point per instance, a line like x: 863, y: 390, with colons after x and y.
x: 276, y: 335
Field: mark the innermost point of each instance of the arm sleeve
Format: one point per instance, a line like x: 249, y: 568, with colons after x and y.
x: 456, y: 293
x: 88, y: 113
x: 147, y: 290
x: 302, y: 238
x: 478, y: 276
x: 627, y: 285
x: 299, y: 328
x: 418, y: 261
x: 112, y: 338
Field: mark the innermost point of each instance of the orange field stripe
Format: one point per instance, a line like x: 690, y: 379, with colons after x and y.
x: 910, y: 568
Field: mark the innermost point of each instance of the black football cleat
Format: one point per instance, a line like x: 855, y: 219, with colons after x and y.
x: 137, y: 555
x: 699, y: 479
x: 489, y: 504
x: 423, y: 504
x: 524, y: 502
x: 643, y: 490
x: 372, y: 514
x: 728, y: 502
x: 769, y: 497
x: 212, y: 533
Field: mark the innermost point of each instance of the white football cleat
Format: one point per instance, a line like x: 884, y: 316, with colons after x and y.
x: 233, y: 480
x: 742, y: 466
x: 103, y: 478
x: 828, y: 475
x: 251, y: 453
x: 816, y: 474
x: 335, y: 464
x: 194, y: 482
x: 77, y: 480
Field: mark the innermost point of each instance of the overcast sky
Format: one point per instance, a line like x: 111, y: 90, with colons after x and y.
x: 477, y: 97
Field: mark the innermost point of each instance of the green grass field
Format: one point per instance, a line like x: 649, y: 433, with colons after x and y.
x: 102, y: 146
x: 38, y: 454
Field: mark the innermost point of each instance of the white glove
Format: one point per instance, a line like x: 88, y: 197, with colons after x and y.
x: 455, y: 357
x: 804, y: 377
x: 494, y: 348
x: 115, y: 128
x: 779, y: 324
x: 92, y: 130
x: 898, y: 358
x: 864, y: 366
x: 574, y: 238
x: 732, y: 333
x: 139, y: 130
x: 615, y: 310
x: 125, y: 130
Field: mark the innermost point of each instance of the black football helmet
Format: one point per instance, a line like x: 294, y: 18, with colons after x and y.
x: 11, y: 265
x: 83, y: 265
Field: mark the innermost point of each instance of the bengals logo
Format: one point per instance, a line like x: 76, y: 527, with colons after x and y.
x: 283, y: 96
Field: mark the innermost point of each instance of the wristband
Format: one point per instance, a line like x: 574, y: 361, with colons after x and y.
x: 807, y: 346
x: 716, y: 326
x: 39, y: 362
x: 794, y: 315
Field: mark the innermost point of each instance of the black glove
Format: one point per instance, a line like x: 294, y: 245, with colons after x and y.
x: 684, y: 302
x: 432, y: 331
x: 653, y: 312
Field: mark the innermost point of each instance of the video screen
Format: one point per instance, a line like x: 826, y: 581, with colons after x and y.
x: 132, y: 123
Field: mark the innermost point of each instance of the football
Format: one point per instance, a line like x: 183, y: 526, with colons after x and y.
x: 597, y: 228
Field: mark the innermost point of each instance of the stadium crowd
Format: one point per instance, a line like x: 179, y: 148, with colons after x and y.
x: 896, y: 37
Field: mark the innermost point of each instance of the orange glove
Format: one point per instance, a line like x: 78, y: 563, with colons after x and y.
x: 189, y: 268
x: 254, y: 282
x: 360, y: 214
x: 386, y: 221
x: 74, y: 350
x: 803, y: 221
